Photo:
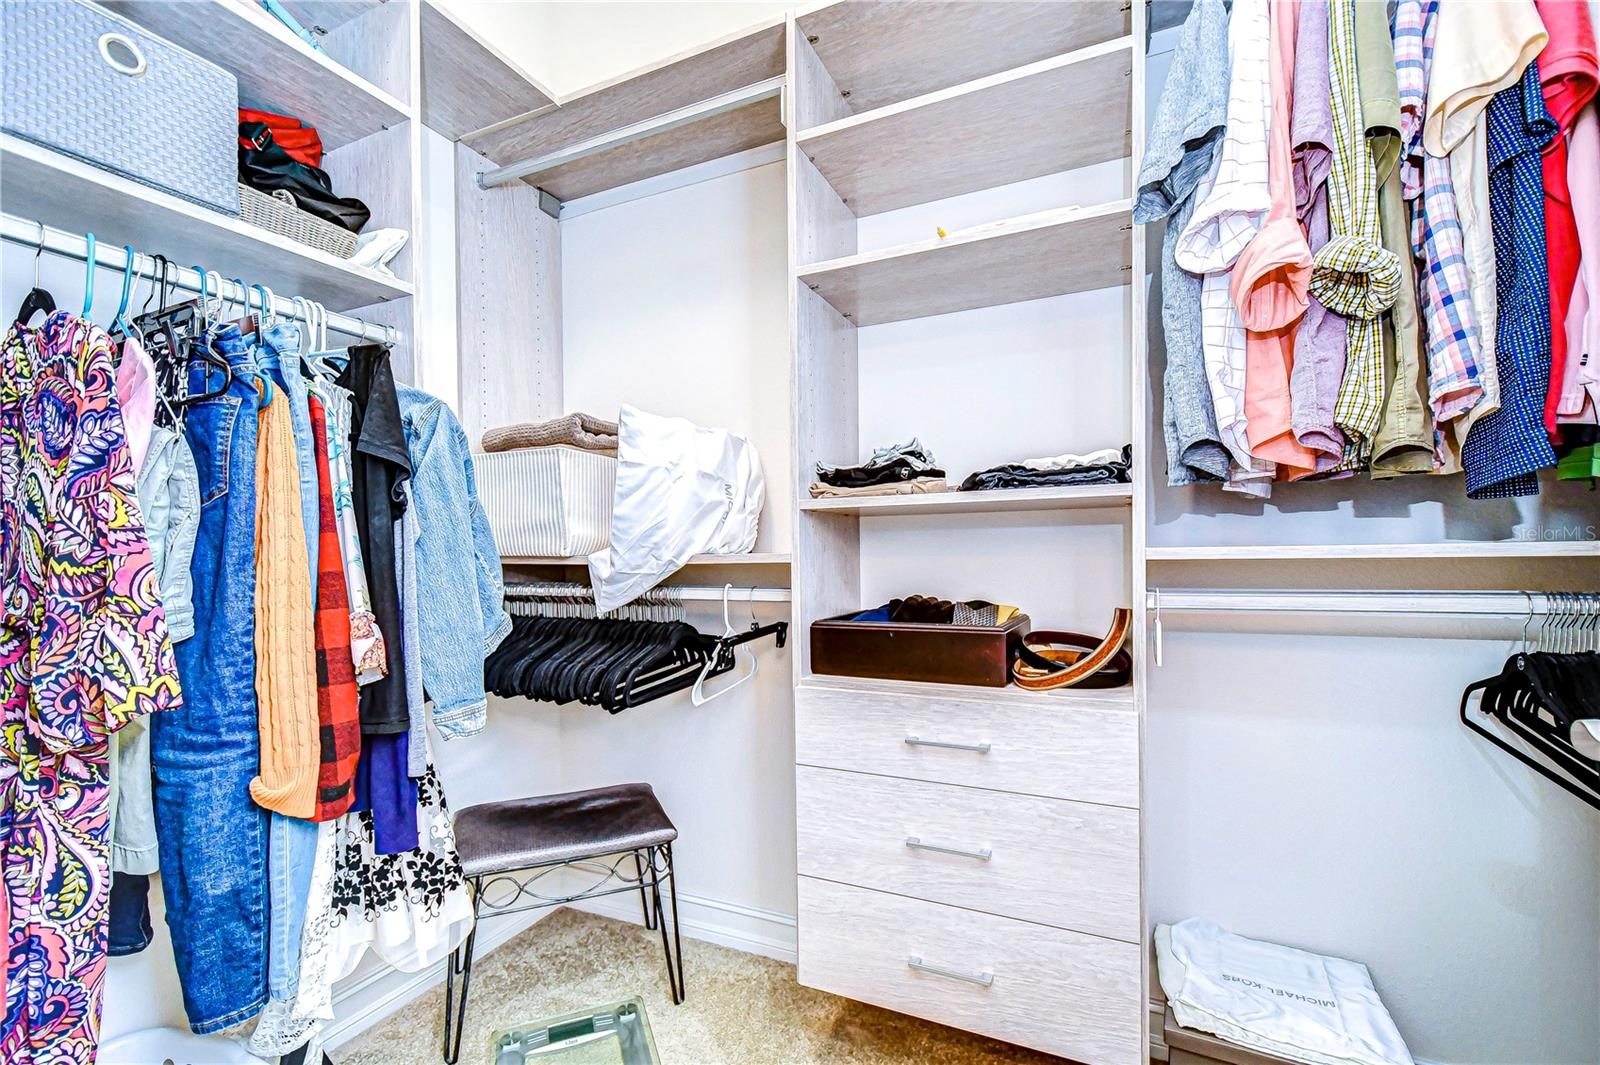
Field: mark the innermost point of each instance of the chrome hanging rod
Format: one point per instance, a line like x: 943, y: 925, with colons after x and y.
x: 1463, y: 604
x: 661, y: 593
x: 722, y: 103
x: 62, y: 244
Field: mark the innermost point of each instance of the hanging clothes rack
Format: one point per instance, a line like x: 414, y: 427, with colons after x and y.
x: 1578, y: 612
x: 65, y: 245
x: 1461, y: 604
x: 664, y: 593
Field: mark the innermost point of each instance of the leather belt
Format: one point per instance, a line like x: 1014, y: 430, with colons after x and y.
x: 1051, y: 659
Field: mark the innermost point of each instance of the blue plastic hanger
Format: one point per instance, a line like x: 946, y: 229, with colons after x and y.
x: 120, y: 322
x: 88, y: 276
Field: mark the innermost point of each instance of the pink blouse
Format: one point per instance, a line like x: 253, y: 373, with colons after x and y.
x: 1272, y: 275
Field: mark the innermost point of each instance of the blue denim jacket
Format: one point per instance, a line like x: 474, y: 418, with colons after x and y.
x: 462, y: 615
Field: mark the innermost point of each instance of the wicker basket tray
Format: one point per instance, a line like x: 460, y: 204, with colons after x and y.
x: 278, y: 214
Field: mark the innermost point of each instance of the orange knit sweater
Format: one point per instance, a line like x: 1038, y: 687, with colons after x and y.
x: 286, y: 654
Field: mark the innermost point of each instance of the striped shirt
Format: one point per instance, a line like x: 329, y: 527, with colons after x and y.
x: 1355, y: 275
x: 1449, y: 318
x: 1505, y: 449
x: 1227, y: 218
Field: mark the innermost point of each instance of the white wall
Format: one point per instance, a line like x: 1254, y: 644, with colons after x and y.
x: 677, y: 303
x: 570, y: 45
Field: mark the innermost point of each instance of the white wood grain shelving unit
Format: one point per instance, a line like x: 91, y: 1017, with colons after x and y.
x: 39, y: 184
x: 992, y: 131
x: 360, y: 92
x: 276, y: 70
x: 1070, y: 249
x: 995, y: 501
x: 893, y: 106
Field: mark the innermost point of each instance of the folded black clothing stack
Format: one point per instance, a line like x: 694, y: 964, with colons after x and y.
x: 1100, y: 467
x: 889, y: 465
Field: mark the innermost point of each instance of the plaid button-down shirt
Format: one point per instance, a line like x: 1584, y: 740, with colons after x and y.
x: 1505, y: 449
x: 1450, y: 320
x: 1355, y: 274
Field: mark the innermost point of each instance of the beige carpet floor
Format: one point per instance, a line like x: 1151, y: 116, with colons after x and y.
x: 741, y: 1009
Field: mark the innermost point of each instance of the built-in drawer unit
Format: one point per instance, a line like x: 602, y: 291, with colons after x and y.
x: 1034, y: 745
x: 1059, y: 991
x: 1069, y: 864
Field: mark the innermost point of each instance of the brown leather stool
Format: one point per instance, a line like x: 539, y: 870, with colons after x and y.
x: 508, y: 847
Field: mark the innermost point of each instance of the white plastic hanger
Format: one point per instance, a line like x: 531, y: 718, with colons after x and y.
x: 698, y: 695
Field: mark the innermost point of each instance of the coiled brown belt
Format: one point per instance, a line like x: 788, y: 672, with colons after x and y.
x: 1051, y: 659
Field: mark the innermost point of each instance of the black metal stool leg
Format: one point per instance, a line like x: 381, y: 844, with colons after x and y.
x: 644, y: 896
x: 677, y: 937
x: 674, y: 971
x: 455, y: 1006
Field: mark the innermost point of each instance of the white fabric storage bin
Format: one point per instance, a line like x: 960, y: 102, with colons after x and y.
x: 548, y: 502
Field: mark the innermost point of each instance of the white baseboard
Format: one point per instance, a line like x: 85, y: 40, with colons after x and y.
x: 364, y: 1001
x: 728, y: 924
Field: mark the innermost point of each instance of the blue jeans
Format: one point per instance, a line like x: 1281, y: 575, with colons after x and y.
x: 291, y: 842
x: 213, y: 837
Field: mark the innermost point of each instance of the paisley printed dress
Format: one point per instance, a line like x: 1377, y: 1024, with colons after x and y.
x: 83, y: 650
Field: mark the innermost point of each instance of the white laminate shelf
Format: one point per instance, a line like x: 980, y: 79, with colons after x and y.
x: 45, y: 186
x: 992, y: 131
x: 1458, y: 550
x: 879, y: 53
x: 1000, y: 500
x: 1060, y: 698
x: 276, y: 70
x: 753, y: 558
x: 1051, y: 253
x: 616, y: 133
x: 467, y: 83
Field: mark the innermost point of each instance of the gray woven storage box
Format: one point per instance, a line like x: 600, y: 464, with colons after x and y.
x: 92, y: 85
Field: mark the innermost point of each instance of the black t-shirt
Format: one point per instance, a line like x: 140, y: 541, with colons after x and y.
x: 380, y: 465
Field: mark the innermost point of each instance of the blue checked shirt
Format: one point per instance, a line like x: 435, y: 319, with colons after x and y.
x: 1505, y: 449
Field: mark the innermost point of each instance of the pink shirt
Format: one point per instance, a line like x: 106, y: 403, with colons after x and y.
x: 136, y: 395
x: 1272, y: 275
x: 1580, y: 380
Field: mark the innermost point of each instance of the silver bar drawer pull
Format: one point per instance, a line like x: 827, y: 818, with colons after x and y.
x: 918, y: 741
x: 981, y: 979
x: 915, y: 843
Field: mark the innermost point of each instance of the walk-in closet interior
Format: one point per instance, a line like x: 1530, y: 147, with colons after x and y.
x: 743, y: 533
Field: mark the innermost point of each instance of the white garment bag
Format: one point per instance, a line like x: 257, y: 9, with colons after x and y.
x: 682, y: 490
x: 1298, y: 1005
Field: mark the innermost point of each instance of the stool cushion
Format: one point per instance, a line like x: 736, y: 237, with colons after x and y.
x: 498, y: 837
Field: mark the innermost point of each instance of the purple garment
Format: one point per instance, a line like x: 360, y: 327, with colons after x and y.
x: 1321, y: 339
x: 385, y: 788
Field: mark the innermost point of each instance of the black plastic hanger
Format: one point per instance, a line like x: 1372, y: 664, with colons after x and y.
x: 1508, y: 698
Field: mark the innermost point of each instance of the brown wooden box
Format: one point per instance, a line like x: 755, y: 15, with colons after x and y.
x: 892, y: 650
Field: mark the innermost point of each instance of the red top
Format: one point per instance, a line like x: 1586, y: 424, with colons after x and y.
x: 1570, y: 71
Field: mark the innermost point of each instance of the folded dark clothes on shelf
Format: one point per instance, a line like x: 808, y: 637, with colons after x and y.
x: 913, y: 487
x: 898, y: 462
x: 583, y: 431
x: 1030, y: 475
x: 927, y: 610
